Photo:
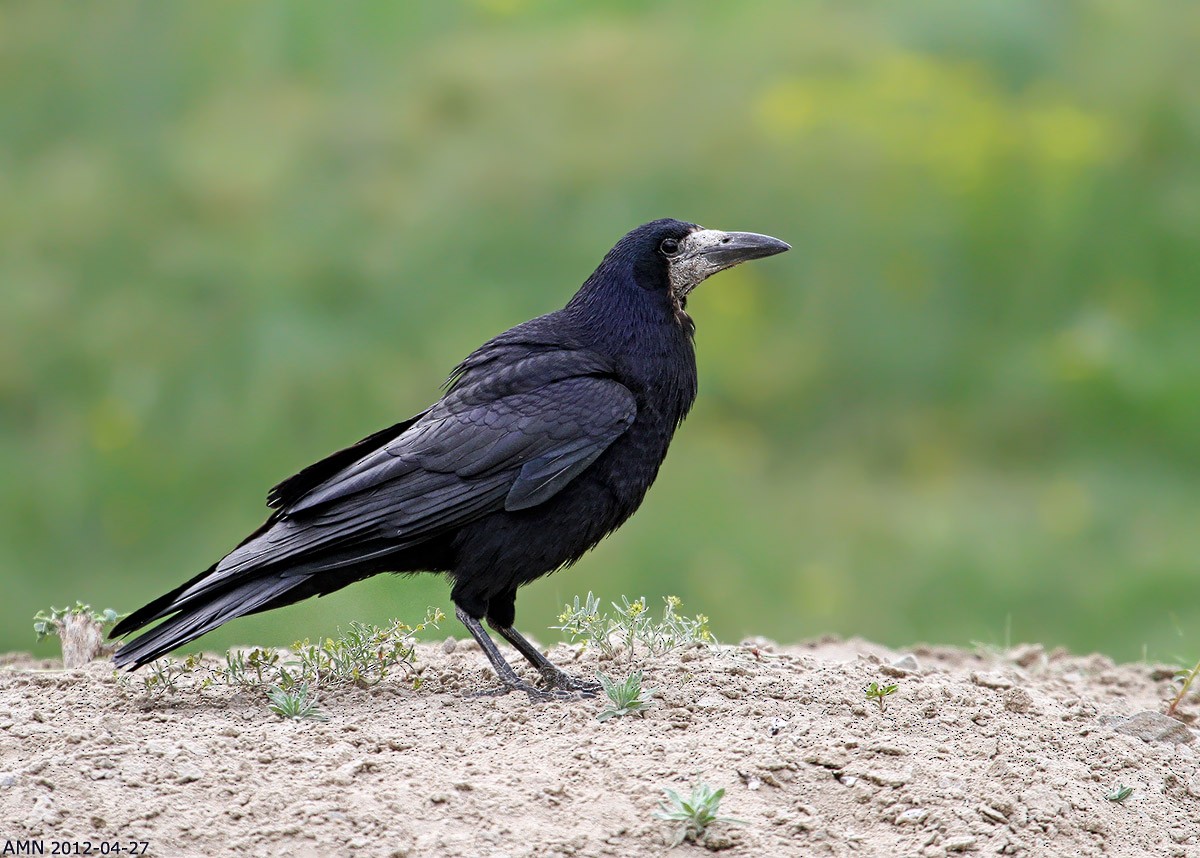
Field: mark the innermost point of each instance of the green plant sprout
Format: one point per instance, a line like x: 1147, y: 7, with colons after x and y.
x: 294, y: 703
x: 1119, y: 793
x: 627, y: 697
x: 696, y: 812
x: 880, y: 693
x: 80, y: 629
x: 632, y: 624
x: 51, y: 624
x: 363, y: 656
x: 1186, y: 678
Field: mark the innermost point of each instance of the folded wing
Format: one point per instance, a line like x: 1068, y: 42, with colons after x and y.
x: 507, y: 437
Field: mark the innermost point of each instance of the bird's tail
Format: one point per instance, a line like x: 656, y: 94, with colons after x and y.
x: 196, y: 616
x: 248, y: 580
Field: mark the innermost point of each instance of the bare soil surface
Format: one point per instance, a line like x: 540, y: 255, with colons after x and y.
x: 1011, y: 753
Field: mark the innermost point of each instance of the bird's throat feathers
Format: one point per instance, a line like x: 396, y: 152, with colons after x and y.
x: 679, y: 304
x: 622, y: 317
x: 644, y: 328
x: 631, y: 295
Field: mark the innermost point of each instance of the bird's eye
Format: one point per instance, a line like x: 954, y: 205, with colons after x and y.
x: 669, y: 246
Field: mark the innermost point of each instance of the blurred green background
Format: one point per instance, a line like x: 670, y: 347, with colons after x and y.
x: 237, y: 236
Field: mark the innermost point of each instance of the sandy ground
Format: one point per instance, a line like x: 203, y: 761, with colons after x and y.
x: 976, y: 753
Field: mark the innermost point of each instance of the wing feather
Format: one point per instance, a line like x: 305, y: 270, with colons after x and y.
x: 508, y: 436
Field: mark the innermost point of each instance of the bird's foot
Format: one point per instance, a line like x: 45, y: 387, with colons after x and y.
x: 562, y: 681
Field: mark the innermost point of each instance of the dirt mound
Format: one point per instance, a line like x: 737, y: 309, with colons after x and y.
x: 1017, y: 754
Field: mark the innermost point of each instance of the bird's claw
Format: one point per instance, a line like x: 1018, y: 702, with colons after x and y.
x: 554, y: 692
x: 545, y: 695
x: 565, y: 682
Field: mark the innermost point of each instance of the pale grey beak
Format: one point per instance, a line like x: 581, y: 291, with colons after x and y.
x: 726, y: 249
x: 706, y: 251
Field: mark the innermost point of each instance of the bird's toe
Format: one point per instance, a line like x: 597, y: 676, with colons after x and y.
x: 536, y: 694
x: 545, y: 695
x: 565, y: 682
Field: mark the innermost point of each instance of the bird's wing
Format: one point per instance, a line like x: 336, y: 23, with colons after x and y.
x: 508, y: 438
x: 537, y: 423
x: 298, y: 485
x: 474, y: 373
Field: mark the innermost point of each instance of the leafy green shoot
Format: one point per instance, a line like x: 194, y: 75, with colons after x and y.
x: 1185, y: 678
x: 880, y: 693
x: 294, y: 702
x: 632, y: 625
x: 47, y: 624
x: 1119, y: 793
x: 79, y: 629
x: 363, y: 656
x: 696, y: 813
x: 627, y: 697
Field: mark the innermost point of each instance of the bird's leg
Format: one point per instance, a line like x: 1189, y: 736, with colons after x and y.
x: 555, y: 678
x: 503, y: 669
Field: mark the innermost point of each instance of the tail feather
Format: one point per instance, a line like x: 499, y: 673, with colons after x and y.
x: 156, y: 609
x: 201, y: 604
x: 170, y: 602
x: 190, y: 623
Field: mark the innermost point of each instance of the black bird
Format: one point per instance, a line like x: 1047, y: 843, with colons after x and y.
x: 545, y: 441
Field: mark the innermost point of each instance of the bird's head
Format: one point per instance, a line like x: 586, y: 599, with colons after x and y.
x: 672, y: 257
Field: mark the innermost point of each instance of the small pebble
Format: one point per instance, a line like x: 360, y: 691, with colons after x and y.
x: 1150, y: 726
x: 1017, y: 700
x: 907, y: 662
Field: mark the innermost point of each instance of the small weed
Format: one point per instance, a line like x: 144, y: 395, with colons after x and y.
x: 1119, y: 793
x: 696, y: 812
x: 626, y: 696
x: 294, y: 702
x: 364, y: 655
x: 632, y: 624
x: 52, y: 623
x: 1185, y: 678
x: 80, y: 629
x: 880, y: 693
x: 162, y: 676
x: 253, y: 669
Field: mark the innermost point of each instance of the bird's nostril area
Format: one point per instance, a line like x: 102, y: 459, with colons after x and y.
x: 725, y: 240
